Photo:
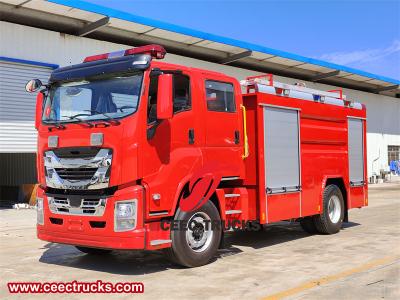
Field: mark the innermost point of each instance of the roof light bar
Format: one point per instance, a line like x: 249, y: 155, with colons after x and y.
x: 155, y: 51
x: 96, y: 57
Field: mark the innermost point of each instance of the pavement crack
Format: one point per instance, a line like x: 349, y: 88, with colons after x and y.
x: 375, y: 282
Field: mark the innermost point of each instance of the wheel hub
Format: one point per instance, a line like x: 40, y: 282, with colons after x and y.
x: 198, y: 231
x: 334, y: 209
x: 198, y: 236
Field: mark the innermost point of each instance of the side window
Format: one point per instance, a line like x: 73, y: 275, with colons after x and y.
x: 182, y: 97
x: 220, y: 96
x: 152, y: 101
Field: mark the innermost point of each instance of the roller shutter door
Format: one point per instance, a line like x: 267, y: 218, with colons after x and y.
x: 17, y: 131
x: 281, y: 147
x: 17, y: 107
x: 356, y: 152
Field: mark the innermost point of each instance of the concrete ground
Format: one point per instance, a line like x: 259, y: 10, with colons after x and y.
x: 361, y: 262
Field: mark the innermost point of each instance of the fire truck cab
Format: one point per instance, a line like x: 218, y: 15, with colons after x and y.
x: 134, y: 153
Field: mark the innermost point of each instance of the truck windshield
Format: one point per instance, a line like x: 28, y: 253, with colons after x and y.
x: 89, y: 100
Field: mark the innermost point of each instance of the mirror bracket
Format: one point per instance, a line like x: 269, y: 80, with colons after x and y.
x: 151, y: 130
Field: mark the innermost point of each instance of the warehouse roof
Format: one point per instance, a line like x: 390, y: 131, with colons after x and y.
x: 95, y: 21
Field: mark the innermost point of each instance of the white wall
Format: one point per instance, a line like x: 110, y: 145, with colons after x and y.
x: 30, y: 43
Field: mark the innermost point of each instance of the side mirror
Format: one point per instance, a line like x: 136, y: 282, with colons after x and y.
x: 33, y: 85
x: 164, y: 97
x: 39, y: 107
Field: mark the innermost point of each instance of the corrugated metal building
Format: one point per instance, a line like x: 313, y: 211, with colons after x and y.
x: 38, y: 36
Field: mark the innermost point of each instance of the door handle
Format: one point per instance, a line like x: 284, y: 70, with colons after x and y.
x: 191, y: 136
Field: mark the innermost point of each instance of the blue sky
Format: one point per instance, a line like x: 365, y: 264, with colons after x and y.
x: 363, y: 34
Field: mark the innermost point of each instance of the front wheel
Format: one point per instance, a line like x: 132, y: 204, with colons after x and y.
x: 331, y: 219
x: 197, y: 243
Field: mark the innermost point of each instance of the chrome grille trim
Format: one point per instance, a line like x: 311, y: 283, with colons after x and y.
x: 76, y: 173
x: 88, y: 207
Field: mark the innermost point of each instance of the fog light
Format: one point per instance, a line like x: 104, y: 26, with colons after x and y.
x: 125, y: 213
x: 40, y: 211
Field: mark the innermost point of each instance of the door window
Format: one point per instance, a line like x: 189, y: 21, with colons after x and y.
x: 152, y: 100
x: 219, y: 96
x: 182, y: 98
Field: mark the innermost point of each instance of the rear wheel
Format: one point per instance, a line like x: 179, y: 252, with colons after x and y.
x: 331, y: 219
x: 197, y: 243
x: 93, y: 251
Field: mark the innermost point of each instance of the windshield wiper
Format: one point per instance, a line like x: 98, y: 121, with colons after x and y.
x: 56, y: 126
x: 109, y: 119
x: 75, y: 117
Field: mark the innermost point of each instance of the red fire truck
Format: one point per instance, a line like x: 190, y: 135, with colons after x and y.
x: 134, y: 153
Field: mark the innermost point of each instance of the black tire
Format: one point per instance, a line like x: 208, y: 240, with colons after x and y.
x: 308, y: 225
x: 180, y: 252
x: 170, y: 255
x: 93, y: 251
x: 323, y: 222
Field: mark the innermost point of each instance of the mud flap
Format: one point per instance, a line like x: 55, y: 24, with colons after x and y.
x: 222, y: 241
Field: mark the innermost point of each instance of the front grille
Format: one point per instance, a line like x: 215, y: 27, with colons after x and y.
x: 90, y: 202
x: 82, y: 168
x: 77, y: 205
x: 89, y: 205
x: 56, y: 221
x: 61, y: 201
x: 76, y: 174
x: 76, y: 152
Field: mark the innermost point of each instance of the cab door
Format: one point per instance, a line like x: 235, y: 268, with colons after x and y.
x: 170, y: 150
x: 223, y: 129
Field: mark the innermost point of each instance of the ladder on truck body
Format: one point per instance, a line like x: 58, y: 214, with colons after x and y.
x: 268, y: 85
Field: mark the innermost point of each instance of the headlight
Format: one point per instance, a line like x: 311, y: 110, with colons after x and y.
x: 40, y: 211
x: 125, y: 213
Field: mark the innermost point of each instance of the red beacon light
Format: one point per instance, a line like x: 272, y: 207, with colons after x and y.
x: 155, y: 51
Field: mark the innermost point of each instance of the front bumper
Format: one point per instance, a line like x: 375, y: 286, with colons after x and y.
x: 135, y: 241
x: 83, y: 230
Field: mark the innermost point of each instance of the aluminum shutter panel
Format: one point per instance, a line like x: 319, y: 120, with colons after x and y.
x: 17, y: 107
x: 356, y: 151
x: 281, y: 146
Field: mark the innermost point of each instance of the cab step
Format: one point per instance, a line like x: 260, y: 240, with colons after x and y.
x: 233, y: 212
x: 232, y: 195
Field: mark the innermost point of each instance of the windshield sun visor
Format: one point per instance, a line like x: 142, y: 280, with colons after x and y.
x: 101, y: 67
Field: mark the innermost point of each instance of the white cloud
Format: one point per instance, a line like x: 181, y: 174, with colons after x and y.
x: 362, y: 56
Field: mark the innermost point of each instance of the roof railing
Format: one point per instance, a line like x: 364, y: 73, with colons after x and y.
x: 283, y: 89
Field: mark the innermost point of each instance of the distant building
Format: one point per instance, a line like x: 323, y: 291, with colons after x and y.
x: 38, y: 36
